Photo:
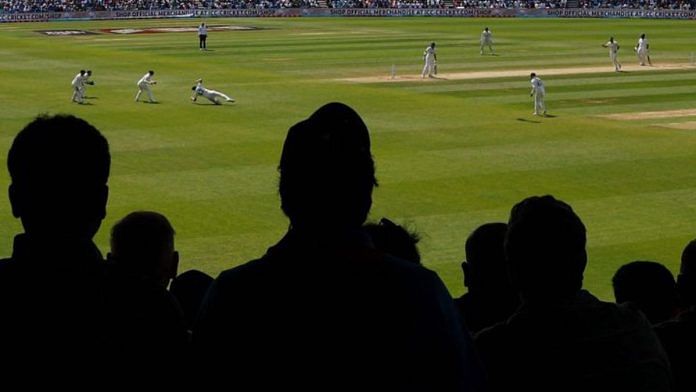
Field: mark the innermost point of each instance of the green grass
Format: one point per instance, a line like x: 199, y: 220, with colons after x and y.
x: 451, y: 154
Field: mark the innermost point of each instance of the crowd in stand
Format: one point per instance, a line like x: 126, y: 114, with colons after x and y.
x: 386, y: 3
x: 119, y: 5
x: 336, y: 304
x: 639, y: 4
x: 132, y: 5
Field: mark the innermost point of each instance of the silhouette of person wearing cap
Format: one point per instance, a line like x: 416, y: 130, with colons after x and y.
x: 322, y: 307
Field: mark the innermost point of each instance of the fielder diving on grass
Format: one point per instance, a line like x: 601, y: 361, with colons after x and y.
x: 212, y: 95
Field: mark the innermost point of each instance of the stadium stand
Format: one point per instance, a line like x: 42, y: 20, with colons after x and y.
x: 13, y: 6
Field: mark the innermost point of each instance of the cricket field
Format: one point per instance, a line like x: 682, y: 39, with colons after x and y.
x: 452, y: 153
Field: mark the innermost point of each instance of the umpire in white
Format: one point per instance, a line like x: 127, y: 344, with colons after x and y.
x: 202, y: 36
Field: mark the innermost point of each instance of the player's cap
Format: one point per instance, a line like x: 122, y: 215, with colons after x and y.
x: 532, y: 75
x: 151, y: 72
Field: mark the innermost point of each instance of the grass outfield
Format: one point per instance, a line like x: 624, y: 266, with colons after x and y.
x: 451, y: 154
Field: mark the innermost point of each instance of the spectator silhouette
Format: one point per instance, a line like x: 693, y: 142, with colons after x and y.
x: 394, y: 239
x: 686, y: 280
x: 490, y: 298
x: 58, y: 299
x: 322, y: 309
x: 678, y: 336
x: 561, y: 337
x: 142, y: 262
x: 189, y: 288
x: 649, y: 286
x: 142, y: 245
x: 51, y: 288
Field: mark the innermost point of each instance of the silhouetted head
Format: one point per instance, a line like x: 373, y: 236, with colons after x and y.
x: 485, y: 268
x: 59, y: 166
x: 395, y: 240
x: 82, y: 72
x: 611, y: 39
x: 432, y: 44
x: 491, y: 297
x: 189, y: 289
x: 648, y: 285
x: 686, y: 281
x: 545, y: 248
x: 326, y: 170
x: 151, y: 72
x: 143, y: 243
x: 532, y: 75
x: 485, y: 28
x: 642, y: 36
x: 89, y: 72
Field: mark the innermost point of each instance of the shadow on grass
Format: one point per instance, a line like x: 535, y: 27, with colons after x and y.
x: 211, y: 104
x: 528, y: 120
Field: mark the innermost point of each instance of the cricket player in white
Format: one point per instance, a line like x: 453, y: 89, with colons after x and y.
x: 85, y: 82
x: 538, y: 92
x: 430, y: 61
x: 78, y: 86
x: 613, y: 51
x: 487, y: 40
x: 212, y: 95
x: 642, y: 50
x: 144, y: 85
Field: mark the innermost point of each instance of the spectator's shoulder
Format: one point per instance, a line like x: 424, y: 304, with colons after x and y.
x: 409, y: 270
x: 242, y: 273
x: 10, y: 274
x: 249, y: 268
x: 627, y: 313
x: 7, y: 264
x: 494, y: 334
x: 494, y: 343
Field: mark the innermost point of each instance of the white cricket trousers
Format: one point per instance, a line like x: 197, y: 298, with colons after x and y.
x: 539, y: 107
x: 77, y: 95
x: 429, y: 67
x: 614, y: 60
x: 144, y: 87
x: 213, y: 96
